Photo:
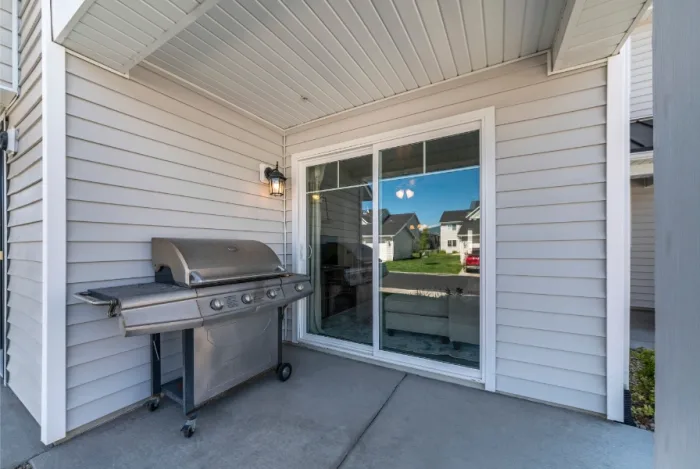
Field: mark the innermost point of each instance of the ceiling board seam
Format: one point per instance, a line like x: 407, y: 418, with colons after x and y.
x: 102, y: 35
x: 214, y: 96
x: 284, y: 101
x: 231, y: 92
x: 422, y: 88
x: 177, y: 7
x: 251, y: 64
x: 348, y: 89
x: 359, y: 46
x: 266, y: 45
x: 522, y: 27
x: 340, y: 44
x: 109, y: 26
x: 100, y: 2
x: 245, y: 84
x: 379, y: 49
x: 150, y: 7
x: 396, y: 47
x: 432, y: 46
x: 430, y: 42
x: 266, y: 61
x: 463, y: 30
x: 410, y: 42
x: 544, y: 20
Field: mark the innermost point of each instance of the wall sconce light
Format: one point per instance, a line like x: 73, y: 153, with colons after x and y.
x: 274, y: 178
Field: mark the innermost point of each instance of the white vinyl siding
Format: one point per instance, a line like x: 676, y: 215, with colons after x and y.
x: 641, y: 98
x: 147, y: 157
x: 24, y: 227
x: 6, y: 43
x: 550, y: 218
x: 642, y: 257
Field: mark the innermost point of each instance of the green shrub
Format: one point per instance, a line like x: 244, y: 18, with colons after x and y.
x: 642, y: 385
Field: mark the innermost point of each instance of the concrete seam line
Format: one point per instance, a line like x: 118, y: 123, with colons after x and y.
x: 371, y: 421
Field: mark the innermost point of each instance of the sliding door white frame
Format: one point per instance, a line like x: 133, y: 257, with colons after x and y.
x: 483, y: 120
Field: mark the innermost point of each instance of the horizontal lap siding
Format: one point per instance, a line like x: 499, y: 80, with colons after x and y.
x: 6, y: 43
x: 642, y: 256
x: 641, y: 97
x: 147, y: 157
x: 24, y: 215
x: 550, y: 216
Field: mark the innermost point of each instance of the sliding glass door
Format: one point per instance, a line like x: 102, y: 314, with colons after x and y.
x: 391, y: 237
x: 428, y: 201
x: 339, y: 253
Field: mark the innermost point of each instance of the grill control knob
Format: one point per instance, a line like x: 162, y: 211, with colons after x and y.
x: 272, y: 294
x: 216, y: 304
x: 299, y: 286
x: 246, y: 298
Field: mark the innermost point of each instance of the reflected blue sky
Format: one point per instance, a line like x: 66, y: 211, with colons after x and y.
x: 434, y: 193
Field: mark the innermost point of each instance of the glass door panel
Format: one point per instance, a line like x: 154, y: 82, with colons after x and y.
x: 339, y: 251
x: 429, y: 227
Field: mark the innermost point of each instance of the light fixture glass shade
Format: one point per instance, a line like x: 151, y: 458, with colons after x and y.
x: 399, y: 193
x: 276, y: 181
x: 409, y: 193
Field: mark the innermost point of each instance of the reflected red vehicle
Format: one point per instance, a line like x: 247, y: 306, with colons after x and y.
x: 472, y: 262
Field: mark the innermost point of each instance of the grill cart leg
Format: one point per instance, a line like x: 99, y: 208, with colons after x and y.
x: 284, y: 370
x: 156, y: 388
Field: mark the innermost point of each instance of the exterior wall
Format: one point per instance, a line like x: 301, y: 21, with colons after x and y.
x: 147, y: 157
x: 446, y: 233
x: 642, y: 256
x: 550, y: 226
x: 641, y: 97
x: 24, y: 216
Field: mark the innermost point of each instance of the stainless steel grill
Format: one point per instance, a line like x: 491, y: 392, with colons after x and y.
x: 227, y: 297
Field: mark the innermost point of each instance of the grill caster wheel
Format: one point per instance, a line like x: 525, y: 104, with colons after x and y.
x: 187, y: 431
x: 189, y: 427
x: 153, y: 405
x: 284, y: 371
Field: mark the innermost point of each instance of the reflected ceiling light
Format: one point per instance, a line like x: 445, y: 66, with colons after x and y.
x: 412, y: 227
x: 316, y: 196
x: 409, y: 193
x: 399, y: 193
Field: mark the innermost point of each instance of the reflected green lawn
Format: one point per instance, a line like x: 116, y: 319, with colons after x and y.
x: 433, y: 264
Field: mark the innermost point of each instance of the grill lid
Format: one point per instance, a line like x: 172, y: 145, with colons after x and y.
x: 203, y: 262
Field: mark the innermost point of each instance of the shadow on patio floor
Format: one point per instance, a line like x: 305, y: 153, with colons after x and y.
x: 336, y: 412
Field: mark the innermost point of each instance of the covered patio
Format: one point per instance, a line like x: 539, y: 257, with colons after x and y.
x: 337, y: 412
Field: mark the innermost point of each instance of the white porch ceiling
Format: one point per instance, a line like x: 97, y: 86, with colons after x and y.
x: 293, y: 61
x: 290, y: 62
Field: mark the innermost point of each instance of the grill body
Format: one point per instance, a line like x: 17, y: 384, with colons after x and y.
x: 227, y: 299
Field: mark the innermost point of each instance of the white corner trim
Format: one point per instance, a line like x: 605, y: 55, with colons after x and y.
x: 15, y: 45
x: 617, y: 230
x: 488, y: 239
x: 53, y: 289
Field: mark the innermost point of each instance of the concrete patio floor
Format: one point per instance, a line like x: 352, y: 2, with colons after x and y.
x: 335, y: 412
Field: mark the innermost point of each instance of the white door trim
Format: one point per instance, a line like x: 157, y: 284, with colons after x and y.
x: 617, y: 231
x: 483, y: 119
x: 53, y: 290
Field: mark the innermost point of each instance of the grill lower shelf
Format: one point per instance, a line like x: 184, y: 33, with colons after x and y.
x: 173, y: 390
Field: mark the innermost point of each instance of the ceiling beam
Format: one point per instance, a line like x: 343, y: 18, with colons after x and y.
x: 65, y: 15
x: 564, y: 49
x: 178, y: 27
